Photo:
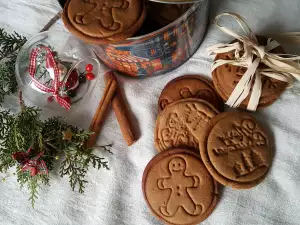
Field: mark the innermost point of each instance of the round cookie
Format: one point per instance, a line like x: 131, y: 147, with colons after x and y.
x: 181, y: 124
x: 103, y: 21
x: 226, y: 77
x: 189, y: 86
x: 178, y: 188
x: 236, y: 150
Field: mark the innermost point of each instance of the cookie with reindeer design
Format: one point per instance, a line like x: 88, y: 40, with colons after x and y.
x: 236, y: 150
x: 181, y: 124
x: 178, y: 188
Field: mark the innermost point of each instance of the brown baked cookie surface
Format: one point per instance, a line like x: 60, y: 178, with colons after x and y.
x: 165, y: 14
x: 181, y: 123
x: 189, y: 86
x: 178, y: 188
x: 226, y: 77
x: 100, y: 21
x: 236, y: 150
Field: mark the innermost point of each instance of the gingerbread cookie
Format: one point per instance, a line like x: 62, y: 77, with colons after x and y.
x: 178, y: 188
x: 189, y: 86
x: 181, y: 124
x: 236, y: 150
x: 226, y: 77
x: 103, y: 21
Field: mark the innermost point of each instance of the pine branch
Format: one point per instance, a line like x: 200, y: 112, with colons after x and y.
x: 25, y: 130
x: 106, y: 148
x: 32, y: 183
x: 8, y: 83
x: 10, y: 43
x: 76, y: 165
x: 76, y: 170
x: 33, y: 189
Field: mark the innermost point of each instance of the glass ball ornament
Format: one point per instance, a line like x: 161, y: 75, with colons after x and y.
x: 71, y: 58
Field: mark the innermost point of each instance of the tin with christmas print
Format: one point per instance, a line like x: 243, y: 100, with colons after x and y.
x: 160, y: 51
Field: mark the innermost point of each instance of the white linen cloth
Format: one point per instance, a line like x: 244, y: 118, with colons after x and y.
x: 115, y: 197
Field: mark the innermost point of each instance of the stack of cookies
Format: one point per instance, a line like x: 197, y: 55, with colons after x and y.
x: 200, y: 147
x: 227, y: 76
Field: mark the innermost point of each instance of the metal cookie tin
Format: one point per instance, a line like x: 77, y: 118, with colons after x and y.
x: 160, y: 51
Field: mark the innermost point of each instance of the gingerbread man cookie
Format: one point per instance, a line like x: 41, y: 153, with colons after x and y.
x: 102, y: 12
x: 178, y: 188
x: 103, y: 21
x: 179, y: 183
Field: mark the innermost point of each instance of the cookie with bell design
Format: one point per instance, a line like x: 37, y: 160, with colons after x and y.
x: 178, y: 188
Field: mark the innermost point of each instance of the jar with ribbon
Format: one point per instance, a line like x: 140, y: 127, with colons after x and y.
x: 56, y: 70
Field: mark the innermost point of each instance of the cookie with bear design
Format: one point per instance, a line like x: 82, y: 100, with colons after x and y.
x: 190, y: 86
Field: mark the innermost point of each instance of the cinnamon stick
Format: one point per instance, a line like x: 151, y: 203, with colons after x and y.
x: 52, y: 21
x: 98, y: 119
x: 121, y: 113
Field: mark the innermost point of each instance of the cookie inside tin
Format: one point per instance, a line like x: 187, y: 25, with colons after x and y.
x: 160, y: 15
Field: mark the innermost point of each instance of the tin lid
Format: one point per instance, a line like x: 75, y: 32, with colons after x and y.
x: 175, y: 1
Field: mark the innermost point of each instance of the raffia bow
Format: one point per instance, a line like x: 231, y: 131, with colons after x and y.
x: 249, y: 54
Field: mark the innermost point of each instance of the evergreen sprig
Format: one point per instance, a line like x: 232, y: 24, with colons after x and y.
x: 76, y: 165
x: 25, y: 130
x: 10, y: 44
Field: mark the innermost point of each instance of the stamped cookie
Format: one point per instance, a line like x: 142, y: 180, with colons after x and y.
x: 178, y: 188
x: 236, y: 150
x: 189, y: 86
x: 181, y: 124
x: 226, y: 77
x: 103, y: 21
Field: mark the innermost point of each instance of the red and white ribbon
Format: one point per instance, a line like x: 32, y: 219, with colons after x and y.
x: 34, y: 165
x: 50, y: 65
x: 249, y: 54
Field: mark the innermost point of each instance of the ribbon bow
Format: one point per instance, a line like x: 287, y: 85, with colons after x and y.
x: 285, y: 69
x: 33, y: 165
x: 51, y: 66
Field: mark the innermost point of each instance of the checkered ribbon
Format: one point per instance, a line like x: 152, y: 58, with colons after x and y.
x: 50, y: 64
x: 33, y: 165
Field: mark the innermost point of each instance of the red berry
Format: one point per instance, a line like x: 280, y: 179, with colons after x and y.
x: 90, y: 76
x: 68, y: 84
x: 89, y: 68
x: 50, y: 99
